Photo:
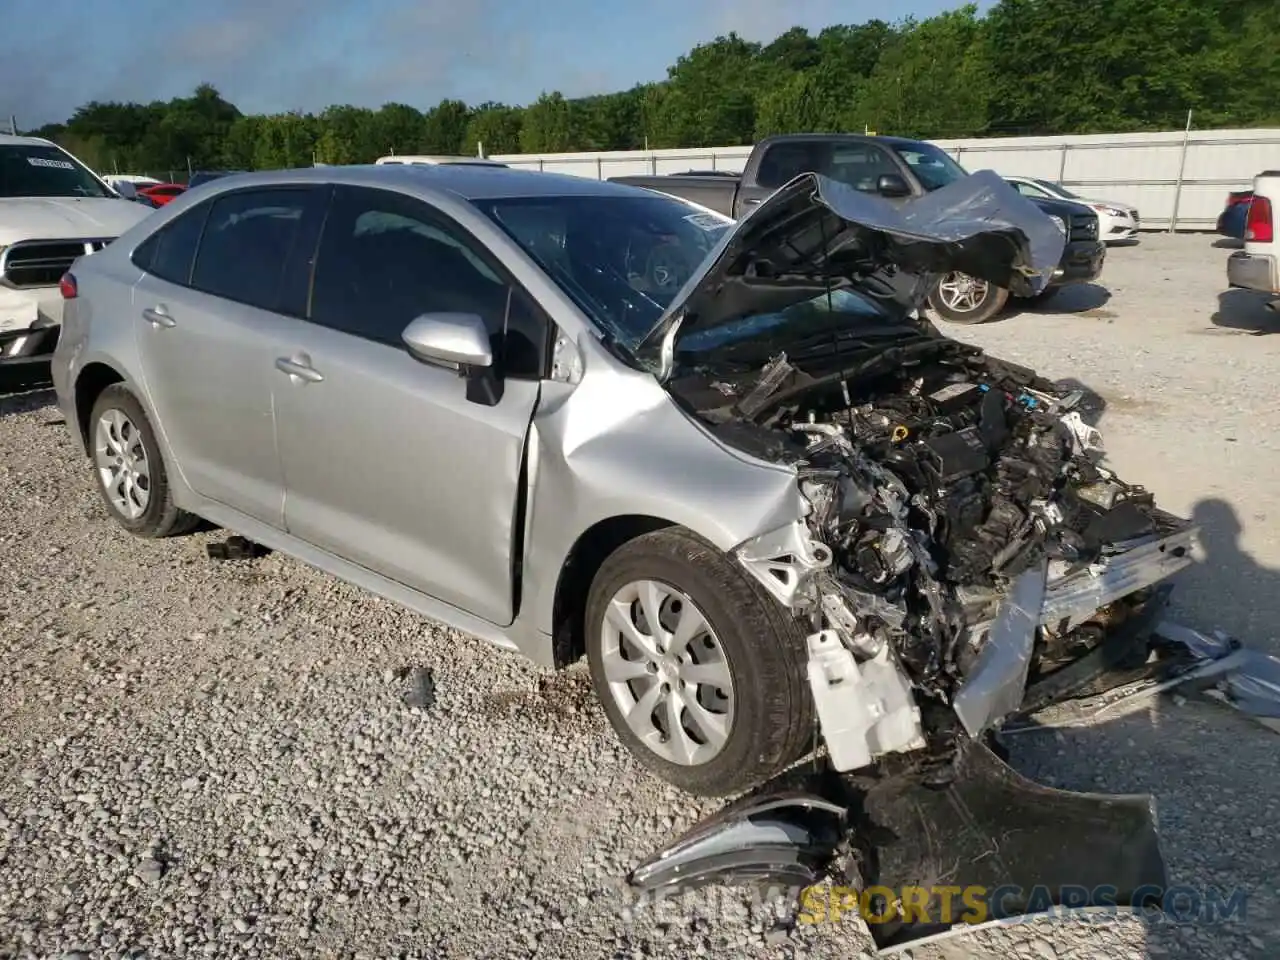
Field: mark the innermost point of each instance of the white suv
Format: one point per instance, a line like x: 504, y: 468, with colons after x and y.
x: 53, y: 210
x: 1257, y: 266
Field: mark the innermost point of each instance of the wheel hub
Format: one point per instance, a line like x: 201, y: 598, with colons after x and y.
x: 667, y: 673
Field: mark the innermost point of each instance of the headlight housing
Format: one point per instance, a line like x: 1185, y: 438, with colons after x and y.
x: 1059, y: 223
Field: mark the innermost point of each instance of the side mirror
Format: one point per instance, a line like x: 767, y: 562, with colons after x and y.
x: 459, y: 341
x: 892, y: 185
x: 127, y: 189
x: 456, y: 340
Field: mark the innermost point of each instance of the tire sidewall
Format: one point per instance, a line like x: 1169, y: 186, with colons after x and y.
x: 747, y: 660
x: 118, y: 397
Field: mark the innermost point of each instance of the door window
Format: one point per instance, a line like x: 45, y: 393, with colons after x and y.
x: 247, y: 240
x: 1028, y: 190
x: 386, y: 259
x: 860, y: 165
x: 170, y: 252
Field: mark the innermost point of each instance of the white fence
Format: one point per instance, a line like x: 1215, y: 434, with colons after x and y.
x: 1176, y: 180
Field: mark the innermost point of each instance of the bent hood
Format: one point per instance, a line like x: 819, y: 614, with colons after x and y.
x: 66, y: 218
x: 815, y: 234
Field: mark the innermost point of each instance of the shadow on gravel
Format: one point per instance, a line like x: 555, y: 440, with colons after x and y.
x: 1080, y: 299
x: 1228, y: 243
x: 1213, y: 774
x: 25, y: 400
x: 1246, y: 311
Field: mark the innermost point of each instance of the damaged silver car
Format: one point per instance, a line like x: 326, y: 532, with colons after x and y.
x: 729, y: 463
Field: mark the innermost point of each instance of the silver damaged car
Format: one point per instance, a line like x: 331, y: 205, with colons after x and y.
x: 728, y: 463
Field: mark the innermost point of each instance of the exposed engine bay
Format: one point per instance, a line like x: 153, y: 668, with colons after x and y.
x: 963, y: 559
x: 937, y: 477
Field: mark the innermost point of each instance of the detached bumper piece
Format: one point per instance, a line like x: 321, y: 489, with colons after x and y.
x: 926, y: 851
x: 783, y: 837
x: 991, y: 845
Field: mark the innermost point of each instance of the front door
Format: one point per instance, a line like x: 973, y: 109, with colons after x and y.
x: 387, y: 464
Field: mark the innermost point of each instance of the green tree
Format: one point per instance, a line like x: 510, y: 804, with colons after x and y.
x: 494, y: 126
x: 445, y: 127
x: 548, y: 125
x: 711, y: 95
x: 933, y: 80
x: 395, y: 128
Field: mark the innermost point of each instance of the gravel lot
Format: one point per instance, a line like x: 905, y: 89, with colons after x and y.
x: 202, y: 758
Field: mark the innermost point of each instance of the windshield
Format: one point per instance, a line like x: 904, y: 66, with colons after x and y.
x: 1058, y: 189
x: 34, y: 170
x: 621, y: 259
x: 932, y: 166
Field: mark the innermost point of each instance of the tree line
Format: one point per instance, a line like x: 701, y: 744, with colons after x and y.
x: 1025, y: 67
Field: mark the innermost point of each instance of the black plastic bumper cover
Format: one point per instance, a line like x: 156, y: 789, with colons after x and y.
x: 984, y: 845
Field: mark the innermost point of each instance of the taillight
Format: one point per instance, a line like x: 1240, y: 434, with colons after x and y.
x: 67, y: 286
x: 1258, y: 226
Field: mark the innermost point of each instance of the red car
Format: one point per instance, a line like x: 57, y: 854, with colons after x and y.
x: 162, y: 193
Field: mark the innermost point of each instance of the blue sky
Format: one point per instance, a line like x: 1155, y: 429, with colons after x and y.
x: 272, y: 55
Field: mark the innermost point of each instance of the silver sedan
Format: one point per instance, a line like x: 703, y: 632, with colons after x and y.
x: 728, y: 463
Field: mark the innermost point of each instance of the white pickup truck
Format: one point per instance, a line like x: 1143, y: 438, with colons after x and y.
x: 53, y: 209
x: 1257, y: 266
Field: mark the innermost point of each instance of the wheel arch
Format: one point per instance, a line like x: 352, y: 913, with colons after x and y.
x: 89, y: 384
x: 578, y: 569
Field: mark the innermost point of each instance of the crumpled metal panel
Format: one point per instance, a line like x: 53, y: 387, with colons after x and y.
x: 998, y: 681
x: 978, y: 225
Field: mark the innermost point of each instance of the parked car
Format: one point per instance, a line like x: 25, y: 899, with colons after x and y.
x: 138, y: 181
x: 702, y: 485
x: 1231, y: 222
x: 1257, y: 266
x: 1117, y: 222
x: 896, y: 169
x: 53, y: 210
x: 162, y: 193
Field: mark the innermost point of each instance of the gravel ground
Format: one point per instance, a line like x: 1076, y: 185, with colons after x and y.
x: 201, y: 758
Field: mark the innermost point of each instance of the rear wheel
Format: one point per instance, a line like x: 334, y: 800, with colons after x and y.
x: 960, y: 298
x: 701, y: 674
x: 129, y: 471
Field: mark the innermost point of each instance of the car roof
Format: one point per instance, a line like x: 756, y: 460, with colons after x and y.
x: 8, y: 140
x: 846, y: 138
x: 470, y: 182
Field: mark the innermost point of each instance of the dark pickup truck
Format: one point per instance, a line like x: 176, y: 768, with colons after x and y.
x: 894, y: 168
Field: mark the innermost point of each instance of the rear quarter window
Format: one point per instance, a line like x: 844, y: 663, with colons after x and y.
x: 170, y: 252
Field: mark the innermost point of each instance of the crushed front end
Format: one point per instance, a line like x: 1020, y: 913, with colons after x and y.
x: 965, y: 558
x: 963, y: 543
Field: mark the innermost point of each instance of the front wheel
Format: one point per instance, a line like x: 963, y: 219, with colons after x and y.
x: 701, y: 674
x: 960, y: 298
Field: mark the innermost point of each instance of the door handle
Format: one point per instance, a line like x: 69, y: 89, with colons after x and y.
x: 158, y: 316
x: 750, y: 201
x: 300, y: 368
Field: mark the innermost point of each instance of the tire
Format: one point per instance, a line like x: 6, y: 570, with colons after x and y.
x: 751, y: 638
x: 144, y: 507
x: 983, y: 309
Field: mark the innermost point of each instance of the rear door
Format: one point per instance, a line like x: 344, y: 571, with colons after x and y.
x: 206, y: 324
x: 387, y: 464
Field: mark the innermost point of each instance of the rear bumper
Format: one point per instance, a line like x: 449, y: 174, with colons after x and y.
x: 30, y: 347
x: 1082, y: 261
x: 1253, y: 271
